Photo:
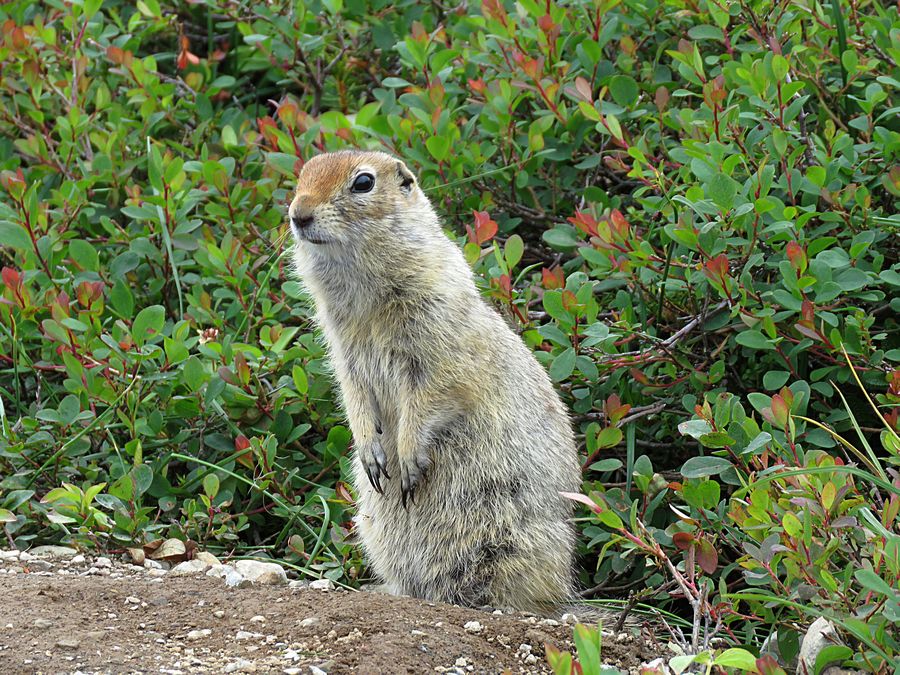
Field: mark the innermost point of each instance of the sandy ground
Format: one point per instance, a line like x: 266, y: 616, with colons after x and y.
x: 60, y: 616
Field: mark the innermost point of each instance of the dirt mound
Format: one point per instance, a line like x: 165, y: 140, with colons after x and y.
x: 53, y: 623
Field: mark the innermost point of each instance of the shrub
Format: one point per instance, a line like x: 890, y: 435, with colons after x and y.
x: 678, y: 204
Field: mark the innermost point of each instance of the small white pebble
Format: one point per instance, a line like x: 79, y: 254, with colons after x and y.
x: 259, y: 618
x: 473, y: 627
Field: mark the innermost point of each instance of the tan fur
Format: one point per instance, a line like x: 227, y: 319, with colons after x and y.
x: 461, y: 443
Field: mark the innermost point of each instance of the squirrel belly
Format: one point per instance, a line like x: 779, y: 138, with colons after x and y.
x: 461, y: 443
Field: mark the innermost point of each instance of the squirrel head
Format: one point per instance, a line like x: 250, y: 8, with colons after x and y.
x: 348, y: 199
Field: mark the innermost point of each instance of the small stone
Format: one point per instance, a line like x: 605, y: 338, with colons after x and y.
x: 292, y: 671
x: 820, y: 634
x: 417, y: 633
x: 461, y: 662
x: 309, y: 621
x: 199, y: 634
x: 102, y: 562
x: 39, y: 565
x: 42, y: 623
x: 131, y: 600
x: 157, y: 573
x: 322, y: 585
x: 152, y: 564
x: 531, y: 659
x: 262, y: 573
x: 68, y: 643
x: 315, y: 670
x: 240, y: 664
x: 259, y: 618
x: 219, y: 571
x: 78, y: 559
x: 208, y: 558
x: 189, y: 568
x: 569, y: 618
x: 246, y: 635
x: 9, y: 555
x: 138, y: 556
x: 549, y: 622
x: 473, y: 627
x: 25, y: 556
x: 53, y: 552
x: 235, y: 580
x: 298, y: 584
x: 219, y: 613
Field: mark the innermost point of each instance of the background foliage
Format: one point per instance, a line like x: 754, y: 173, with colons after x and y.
x: 689, y: 209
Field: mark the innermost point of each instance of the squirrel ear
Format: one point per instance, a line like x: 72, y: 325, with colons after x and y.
x: 407, y: 180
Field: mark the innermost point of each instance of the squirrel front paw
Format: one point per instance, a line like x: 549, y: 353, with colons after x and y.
x: 374, y: 463
x: 413, y: 472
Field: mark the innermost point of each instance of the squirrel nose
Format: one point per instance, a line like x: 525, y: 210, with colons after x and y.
x: 301, y: 222
x: 301, y: 215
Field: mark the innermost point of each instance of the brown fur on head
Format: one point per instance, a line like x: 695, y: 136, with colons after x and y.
x: 342, y: 197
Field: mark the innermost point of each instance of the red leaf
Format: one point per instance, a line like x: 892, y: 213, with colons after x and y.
x: 583, y: 87
x: 485, y: 227
x: 478, y: 86
x: 781, y: 410
x: 797, y: 256
x: 683, y: 540
x: 553, y: 278
x: 11, y: 278
x: 585, y: 222
x: 707, y: 556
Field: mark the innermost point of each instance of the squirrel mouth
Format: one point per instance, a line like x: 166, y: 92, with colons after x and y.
x: 304, y: 236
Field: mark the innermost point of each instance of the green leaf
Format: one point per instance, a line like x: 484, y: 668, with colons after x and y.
x: 300, y: 380
x: 561, y: 238
x: 439, y: 147
x: 624, y: 90
x: 780, y: 67
x: 721, y: 189
x: 143, y: 478
x: 609, y: 437
x: 735, y: 657
x: 513, y: 250
x: 604, y: 465
x: 701, y: 467
x: 121, y: 299
x: 694, y: 428
x: 563, y: 365
x: 148, y: 323
x: 211, y: 485
x: 193, y: 373
x: 84, y: 255
x: 775, y: 379
x: 14, y: 235
x: 753, y: 339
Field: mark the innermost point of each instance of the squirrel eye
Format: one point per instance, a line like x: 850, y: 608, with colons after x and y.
x: 364, y: 182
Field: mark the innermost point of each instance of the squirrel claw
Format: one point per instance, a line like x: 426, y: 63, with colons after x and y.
x: 374, y: 463
x: 411, y: 479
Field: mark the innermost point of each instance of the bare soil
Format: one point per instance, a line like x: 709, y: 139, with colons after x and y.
x: 131, y: 622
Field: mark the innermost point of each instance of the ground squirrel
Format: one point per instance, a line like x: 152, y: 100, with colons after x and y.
x: 462, y: 445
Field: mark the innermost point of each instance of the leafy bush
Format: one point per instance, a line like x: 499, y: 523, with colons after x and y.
x: 678, y: 204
